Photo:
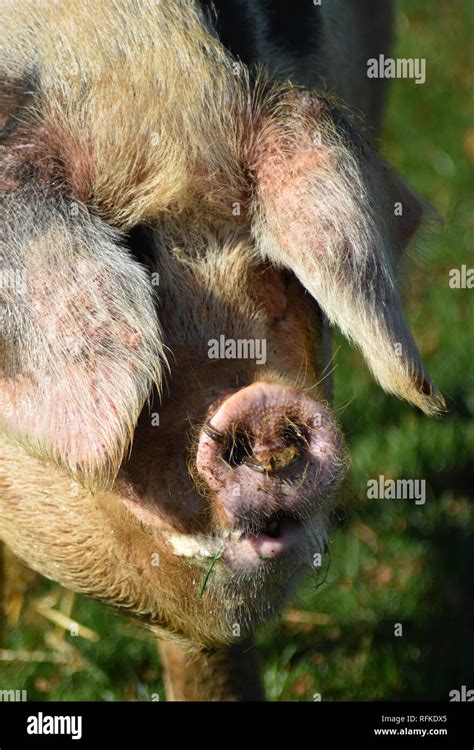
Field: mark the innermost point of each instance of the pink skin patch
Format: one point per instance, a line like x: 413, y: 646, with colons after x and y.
x: 253, y: 549
x: 272, y: 457
x: 74, y: 417
x: 84, y: 375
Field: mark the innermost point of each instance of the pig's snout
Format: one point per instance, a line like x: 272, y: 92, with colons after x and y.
x: 271, y: 457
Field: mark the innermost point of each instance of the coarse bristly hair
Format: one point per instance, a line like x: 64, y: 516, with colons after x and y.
x: 187, y: 136
x: 125, y: 113
x: 325, y: 209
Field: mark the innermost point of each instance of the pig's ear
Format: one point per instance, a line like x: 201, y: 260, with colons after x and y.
x: 327, y: 207
x: 80, y: 344
x: 403, y: 208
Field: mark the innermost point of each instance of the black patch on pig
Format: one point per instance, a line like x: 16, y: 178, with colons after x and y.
x: 293, y: 25
x: 234, y: 27
x: 22, y: 155
x: 139, y: 241
x: 15, y: 95
x: 290, y: 25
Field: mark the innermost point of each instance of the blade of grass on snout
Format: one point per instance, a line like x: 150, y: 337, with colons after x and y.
x: 209, y: 570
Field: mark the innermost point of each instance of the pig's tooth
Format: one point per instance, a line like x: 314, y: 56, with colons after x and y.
x: 187, y: 545
x: 199, y: 545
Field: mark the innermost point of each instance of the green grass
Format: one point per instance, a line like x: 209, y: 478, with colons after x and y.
x: 391, y: 561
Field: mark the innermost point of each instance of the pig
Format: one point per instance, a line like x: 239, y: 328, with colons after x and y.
x: 185, y: 184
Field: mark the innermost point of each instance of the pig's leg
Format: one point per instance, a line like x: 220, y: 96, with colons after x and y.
x: 226, y: 674
x: 80, y: 343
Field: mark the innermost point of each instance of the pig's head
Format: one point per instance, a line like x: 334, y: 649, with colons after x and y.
x: 168, y: 443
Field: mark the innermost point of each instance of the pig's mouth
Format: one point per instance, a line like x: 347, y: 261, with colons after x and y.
x: 247, y: 546
x: 273, y: 526
x: 273, y: 537
x: 259, y: 485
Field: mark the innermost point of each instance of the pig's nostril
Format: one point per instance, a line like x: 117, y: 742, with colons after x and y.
x: 294, y: 434
x: 279, y: 452
x: 238, y: 448
x: 286, y: 451
x: 268, y: 448
x: 215, y: 435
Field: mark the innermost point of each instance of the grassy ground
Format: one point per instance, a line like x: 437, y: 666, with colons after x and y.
x: 392, y: 561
